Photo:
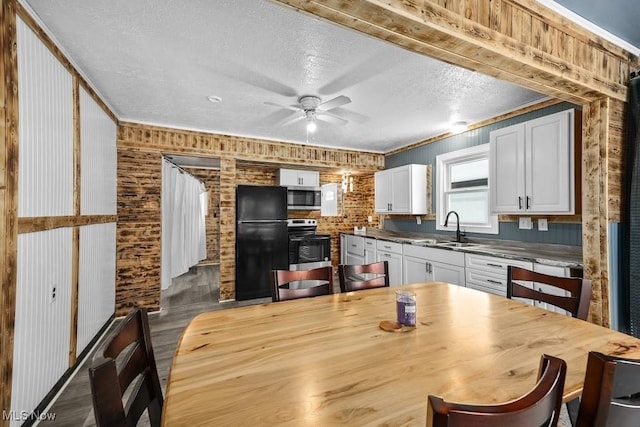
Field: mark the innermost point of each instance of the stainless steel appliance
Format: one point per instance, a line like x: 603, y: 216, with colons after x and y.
x: 261, y: 238
x: 307, y: 249
x: 304, y: 198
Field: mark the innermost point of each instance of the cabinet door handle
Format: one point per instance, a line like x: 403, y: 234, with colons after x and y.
x: 519, y: 202
x: 354, y: 246
x: 387, y: 247
x: 528, y: 202
x: 494, y: 282
x: 387, y: 255
x: 494, y: 265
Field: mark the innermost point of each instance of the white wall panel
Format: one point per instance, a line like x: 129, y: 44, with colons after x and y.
x: 42, y: 323
x: 45, y: 97
x: 97, y: 275
x: 98, y: 159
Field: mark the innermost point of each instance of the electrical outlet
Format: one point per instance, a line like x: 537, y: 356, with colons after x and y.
x: 525, y: 223
x: 370, y: 219
x: 54, y: 292
x: 542, y: 224
x: 418, y: 220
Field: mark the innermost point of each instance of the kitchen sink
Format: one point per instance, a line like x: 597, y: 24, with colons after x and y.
x: 459, y: 244
x: 418, y: 241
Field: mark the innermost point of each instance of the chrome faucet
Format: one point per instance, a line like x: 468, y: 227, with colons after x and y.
x: 459, y: 235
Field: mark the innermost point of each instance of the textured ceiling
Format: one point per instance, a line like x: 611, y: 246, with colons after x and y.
x: 156, y: 61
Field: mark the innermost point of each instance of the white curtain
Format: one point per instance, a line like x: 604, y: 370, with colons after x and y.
x: 183, y: 222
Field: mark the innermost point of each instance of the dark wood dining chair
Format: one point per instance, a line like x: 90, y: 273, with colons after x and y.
x: 126, y: 359
x: 352, y: 279
x: 539, y: 407
x: 288, y: 284
x: 577, y: 303
x: 611, y: 392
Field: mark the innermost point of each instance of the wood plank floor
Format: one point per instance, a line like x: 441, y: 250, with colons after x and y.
x: 191, y: 294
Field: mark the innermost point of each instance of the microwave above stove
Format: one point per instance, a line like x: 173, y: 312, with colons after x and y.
x: 304, y: 198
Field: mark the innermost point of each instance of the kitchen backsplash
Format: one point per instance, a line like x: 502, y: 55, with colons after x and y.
x: 559, y: 233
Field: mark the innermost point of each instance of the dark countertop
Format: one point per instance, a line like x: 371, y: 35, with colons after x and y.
x: 542, y: 253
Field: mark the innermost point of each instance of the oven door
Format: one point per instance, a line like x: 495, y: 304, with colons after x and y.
x: 309, y: 251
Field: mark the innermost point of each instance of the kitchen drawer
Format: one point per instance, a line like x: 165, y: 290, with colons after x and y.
x: 494, y: 264
x: 386, y: 246
x: 492, y: 282
x: 370, y: 244
x: 444, y: 256
x: 355, y: 245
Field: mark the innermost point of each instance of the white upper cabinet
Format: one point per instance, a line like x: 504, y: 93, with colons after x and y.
x: 402, y: 190
x: 532, y: 168
x: 301, y: 178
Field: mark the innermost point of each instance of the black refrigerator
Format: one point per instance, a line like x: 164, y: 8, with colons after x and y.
x: 262, y: 243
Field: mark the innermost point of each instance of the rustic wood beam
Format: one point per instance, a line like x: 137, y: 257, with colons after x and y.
x: 427, y: 28
x: 33, y: 224
x: 8, y: 196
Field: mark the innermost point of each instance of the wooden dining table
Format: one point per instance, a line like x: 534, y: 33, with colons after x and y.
x: 324, y: 361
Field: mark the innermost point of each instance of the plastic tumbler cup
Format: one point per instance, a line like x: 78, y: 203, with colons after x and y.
x: 406, y: 308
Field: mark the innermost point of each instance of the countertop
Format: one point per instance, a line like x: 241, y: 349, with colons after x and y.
x: 542, y: 253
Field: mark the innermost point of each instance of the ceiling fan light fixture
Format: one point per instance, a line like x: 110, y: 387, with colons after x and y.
x: 311, y: 125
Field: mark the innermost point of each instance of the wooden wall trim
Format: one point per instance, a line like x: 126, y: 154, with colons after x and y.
x: 34, y: 224
x: 540, y: 59
x: 8, y: 196
x: 594, y: 208
x: 55, y: 50
x: 177, y: 141
x: 75, y: 244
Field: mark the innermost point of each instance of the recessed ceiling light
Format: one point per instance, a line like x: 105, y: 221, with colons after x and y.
x: 458, y: 127
x: 214, y: 99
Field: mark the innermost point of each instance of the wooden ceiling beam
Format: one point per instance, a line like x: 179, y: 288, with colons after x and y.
x: 427, y: 28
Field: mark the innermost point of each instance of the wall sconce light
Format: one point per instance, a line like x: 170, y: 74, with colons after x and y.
x: 347, y: 182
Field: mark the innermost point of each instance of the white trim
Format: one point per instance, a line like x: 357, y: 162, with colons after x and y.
x: 599, y: 31
x: 465, y: 154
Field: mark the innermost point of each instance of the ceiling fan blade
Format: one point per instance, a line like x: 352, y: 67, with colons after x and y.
x: 331, y: 118
x: 288, y: 107
x: 293, y: 119
x: 334, y: 103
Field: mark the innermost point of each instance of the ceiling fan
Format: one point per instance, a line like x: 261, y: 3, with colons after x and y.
x: 311, y: 108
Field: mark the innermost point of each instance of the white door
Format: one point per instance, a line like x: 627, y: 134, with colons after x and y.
x: 507, y: 165
x: 448, y: 273
x: 401, y: 190
x: 395, y: 266
x: 369, y: 251
x: 352, y: 259
x: 382, y: 191
x: 549, y: 167
x: 416, y: 270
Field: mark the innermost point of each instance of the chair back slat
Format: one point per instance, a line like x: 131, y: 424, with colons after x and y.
x: 611, y: 392
x: 354, y: 277
x: 539, y: 407
x: 282, y: 281
x: 129, y: 348
x: 576, y: 303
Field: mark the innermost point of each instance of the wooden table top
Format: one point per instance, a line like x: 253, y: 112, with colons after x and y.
x: 324, y: 361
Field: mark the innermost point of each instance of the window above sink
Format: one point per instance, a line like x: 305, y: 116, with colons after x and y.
x: 462, y: 186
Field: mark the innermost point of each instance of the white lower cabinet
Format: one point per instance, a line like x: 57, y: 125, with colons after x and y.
x: 489, y: 274
x: 392, y: 253
x: 369, y: 250
x: 353, y: 250
x: 425, y: 264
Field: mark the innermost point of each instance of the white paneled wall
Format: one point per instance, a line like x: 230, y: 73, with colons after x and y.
x: 96, y: 290
x: 42, y: 325
x: 98, y: 159
x: 45, y: 98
